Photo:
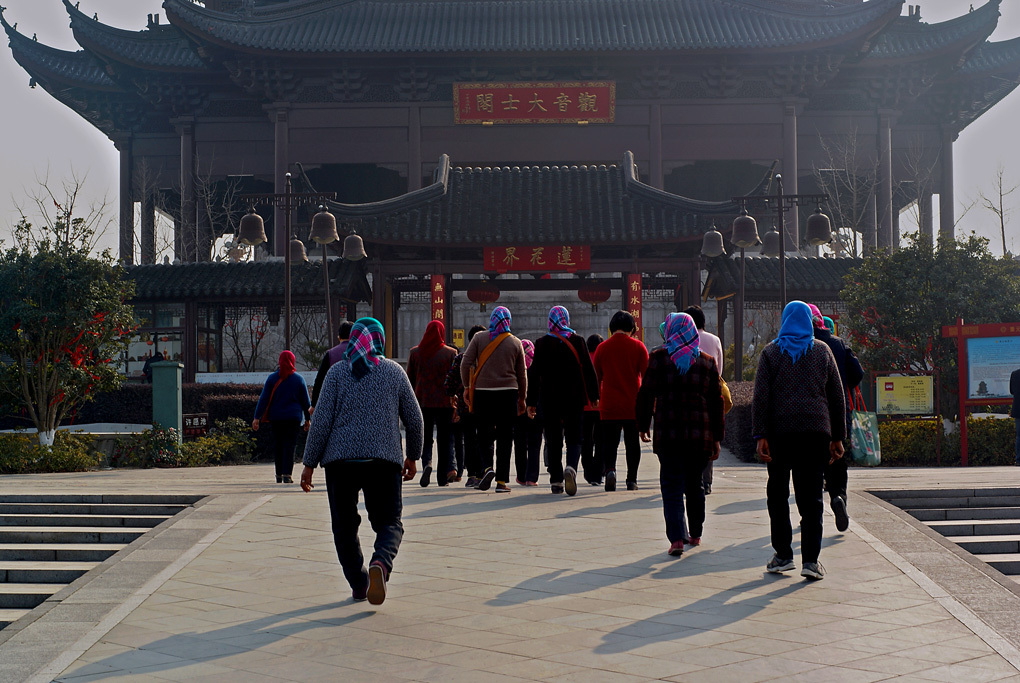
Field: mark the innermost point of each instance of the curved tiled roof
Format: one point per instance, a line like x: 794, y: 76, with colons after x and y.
x: 907, y: 37
x: 823, y: 277
x: 536, y: 205
x: 45, y: 63
x: 252, y: 280
x: 359, y: 26
x: 158, y: 47
x: 992, y: 57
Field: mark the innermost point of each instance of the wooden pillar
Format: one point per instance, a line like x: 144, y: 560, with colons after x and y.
x: 738, y: 327
x: 126, y: 201
x: 885, y: 182
x: 791, y: 170
x: 870, y: 237
x: 895, y: 229
x: 189, y: 344
x: 281, y: 126
x: 927, y: 220
x: 178, y: 239
x: 655, y: 175
x: 414, y: 148
x: 148, y: 251
x: 189, y: 246
x: 947, y: 202
x: 378, y: 293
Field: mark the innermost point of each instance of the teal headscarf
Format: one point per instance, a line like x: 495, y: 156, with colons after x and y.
x: 829, y: 324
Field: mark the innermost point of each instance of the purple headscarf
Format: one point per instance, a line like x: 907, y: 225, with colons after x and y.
x: 683, y: 344
x: 559, y: 322
x: 529, y: 352
x: 499, y: 321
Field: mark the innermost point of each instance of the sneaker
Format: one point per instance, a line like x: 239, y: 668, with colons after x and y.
x: 694, y: 541
x: 632, y: 486
x: 376, y: 583
x: 361, y: 595
x: 676, y: 549
x: 556, y: 488
x: 531, y: 483
x: 287, y: 479
x: 501, y: 487
x: 708, y: 489
x: 472, y: 482
x: 279, y: 477
x: 570, y: 481
x: 839, y: 511
x: 778, y: 565
x: 451, y: 477
x: 426, y: 476
x: 521, y: 483
x: 611, y: 480
x: 486, y: 481
x: 812, y: 570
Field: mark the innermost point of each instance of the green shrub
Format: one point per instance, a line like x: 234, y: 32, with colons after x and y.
x: 21, y: 454
x: 990, y: 441
x: 913, y: 444
x: 229, y: 442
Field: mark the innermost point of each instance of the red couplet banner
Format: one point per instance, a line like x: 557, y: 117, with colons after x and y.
x: 634, y: 300
x: 554, y: 102
x: 537, y: 259
x: 439, y: 298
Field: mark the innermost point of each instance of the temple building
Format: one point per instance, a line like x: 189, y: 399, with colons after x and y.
x: 479, y: 145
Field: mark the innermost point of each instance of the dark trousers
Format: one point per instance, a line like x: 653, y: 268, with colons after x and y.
x: 465, y: 445
x: 709, y: 473
x: 495, y: 414
x: 836, y: 476
x: 380, y: 480
x: 440, y: 419
x: 285, y: 433
x: 681, y: 487
x: 527, y: 447
x: 591, y: 451
x: 557, y: 427
x: 1017, y: 446
x: 611, y: 445
x: 804, y: 456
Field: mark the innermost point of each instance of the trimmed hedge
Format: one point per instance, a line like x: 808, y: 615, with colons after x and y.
x: 22, y: 454
x: 738, y: 438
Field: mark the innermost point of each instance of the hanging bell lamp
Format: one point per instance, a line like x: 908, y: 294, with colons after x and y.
x: 770, y: 243
x: 819, y: 229
x: 745, y: 231
x: 323, y: 227
x: 712, y: 244
x: 297, y: 251
x: 252, y: 230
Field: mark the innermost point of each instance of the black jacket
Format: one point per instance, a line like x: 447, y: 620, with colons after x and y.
x: 1014, y: 388
x: 850, y: 371
x: 557, y: 380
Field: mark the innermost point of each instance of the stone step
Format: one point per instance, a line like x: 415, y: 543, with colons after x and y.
x: 987, y: 544
x: 944, y: 501
x: 947, y: 493
x: 89, y: 509
x: 28, y: 571
x: 120, y: 498
x: 80, y: 534
x: 26, y: 595
x: 58, y: 552
x: 1007, y: 563
x: 977, y: 527
x: 148, y: 521
x: 940, y: 514
x: 9, y: 616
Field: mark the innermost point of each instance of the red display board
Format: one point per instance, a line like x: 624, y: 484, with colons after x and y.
x: 634, y: 301
x: 537, y: 259
x: 553, y: 102
x: 439, y: 298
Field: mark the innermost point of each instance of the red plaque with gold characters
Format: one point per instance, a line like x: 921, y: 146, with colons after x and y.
x: 543, y: 258
x: 553, y: 102
x: 439, y: 298
x: 634, y: 301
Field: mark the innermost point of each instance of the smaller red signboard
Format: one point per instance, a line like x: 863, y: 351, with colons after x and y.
x: 537, y: 259
x: 552, y: 102
x: 634, y: 301
x: 439, y: 298
x: 196, y: 424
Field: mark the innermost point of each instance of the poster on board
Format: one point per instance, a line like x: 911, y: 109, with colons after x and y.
x: 990, y: 360
x: 905, y: 395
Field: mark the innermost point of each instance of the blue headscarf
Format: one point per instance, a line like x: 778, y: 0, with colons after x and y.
x: 559, y: 322
x: 683, y: 344
x: 499, y: 321
x: 796, y: 334
x: 365, y: 348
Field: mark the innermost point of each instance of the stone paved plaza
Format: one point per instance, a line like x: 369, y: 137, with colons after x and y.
x: 519, y: 587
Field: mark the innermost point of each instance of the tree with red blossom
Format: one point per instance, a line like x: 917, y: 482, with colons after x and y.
x: 899, y: 301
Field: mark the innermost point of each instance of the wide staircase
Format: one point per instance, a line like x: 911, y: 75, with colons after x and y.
x: 984, y: 522
x: 48, y: 541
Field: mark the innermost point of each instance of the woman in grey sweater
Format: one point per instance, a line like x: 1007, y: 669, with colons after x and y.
x: 355, y: 436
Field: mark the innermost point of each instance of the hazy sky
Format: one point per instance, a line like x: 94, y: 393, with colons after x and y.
x: 43, y: 135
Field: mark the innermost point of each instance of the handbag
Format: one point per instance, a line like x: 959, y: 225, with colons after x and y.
x: 727, y: 397
x: 865, y: 445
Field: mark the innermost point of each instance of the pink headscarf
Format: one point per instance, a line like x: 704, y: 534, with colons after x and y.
x: 816, y: 317
x: 529, y: 352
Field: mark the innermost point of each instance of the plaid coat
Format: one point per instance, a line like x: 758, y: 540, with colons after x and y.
x: 688, y: 408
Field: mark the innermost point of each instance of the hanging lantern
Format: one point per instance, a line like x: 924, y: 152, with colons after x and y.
x: 712, y: 244
x: 745, y: 231
x: 483, y: 294
x: 252, y: 230
x: 593, y: 293
x: 819, y: 229
x: 770, y: 243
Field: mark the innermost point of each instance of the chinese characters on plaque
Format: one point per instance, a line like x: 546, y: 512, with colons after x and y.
x: 196, y: 424
x: 439, y: 298
x: 553, y: 102
x: 544, y: 258
x: 634, y: 300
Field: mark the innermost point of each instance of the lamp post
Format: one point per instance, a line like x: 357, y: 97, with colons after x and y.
x: 252, y: 230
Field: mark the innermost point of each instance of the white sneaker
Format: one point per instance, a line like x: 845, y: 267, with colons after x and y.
x: 570, y: 481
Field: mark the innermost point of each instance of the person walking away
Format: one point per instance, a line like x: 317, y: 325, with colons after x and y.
x: 562, y: 383
x: 333, y: 355
x: 797, y: 418
x: 712, y: 345
x: 355, y: 436
x: 619, y: 365
x: 284, y: 404
x: 1014, y: 389
x: 496, y: 380
x: 681, y: 390
x: 591, y: 452
x: 465, y: 440
x: 527, y: 434
x: 427, y: 366
x: 850, y: 376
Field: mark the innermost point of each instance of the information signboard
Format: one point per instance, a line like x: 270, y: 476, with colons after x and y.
x: 909, y: 395
x: 990, y: 360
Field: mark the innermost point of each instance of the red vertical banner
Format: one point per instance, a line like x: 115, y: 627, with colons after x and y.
x: 634, y: 301
x: 439, y: 299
